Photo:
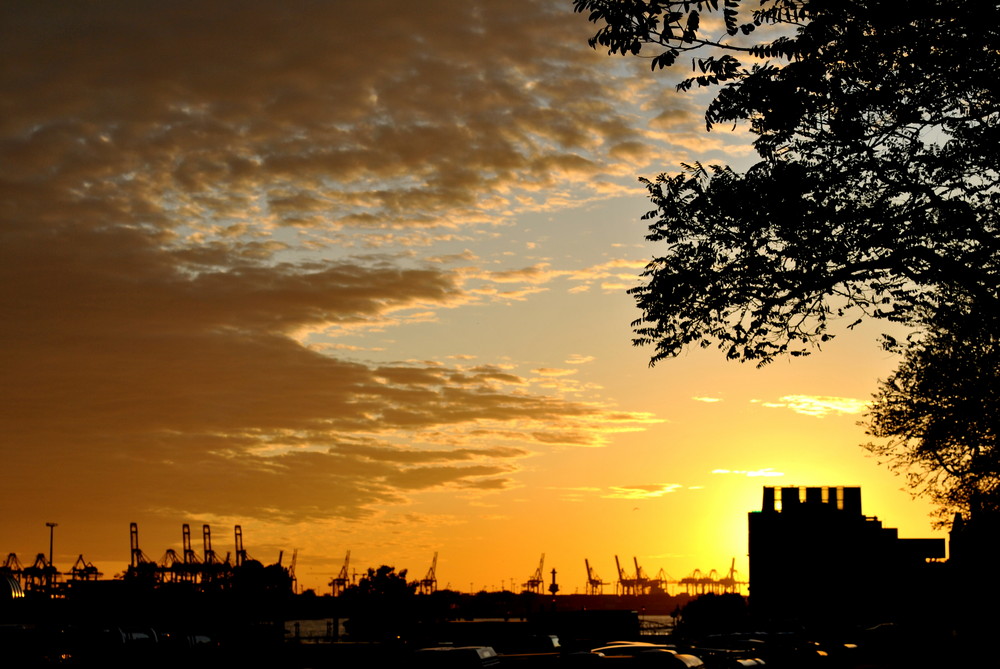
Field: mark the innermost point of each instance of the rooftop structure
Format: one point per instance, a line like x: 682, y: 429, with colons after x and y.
x: 816, y: 558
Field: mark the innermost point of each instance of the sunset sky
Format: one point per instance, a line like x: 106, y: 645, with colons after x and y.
x: 352, y: 274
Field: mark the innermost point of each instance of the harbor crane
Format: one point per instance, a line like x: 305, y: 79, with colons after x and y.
x: 291, y: 570
x: 213, y: 570
x: 189, y: 559
x: 698, y: 583
x: 730, y: 582
x: 84, y: 571
x: 207, y: 552
x: 241, y: 553
x: 340, y: 582
x: 176, y: 566
x: 626, y: 584
x: 171, y: 566
x: 136, y: 554
x: 428, y: 584
x: 661, y: 583
x: 534, y: 584
x: 595, y: 586
x: 641, y: 581
x: 140, y: 565
x: 41, y: 573
x: 189, y: 556
x: 12, y: 567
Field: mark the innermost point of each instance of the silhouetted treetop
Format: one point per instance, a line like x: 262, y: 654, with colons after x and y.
x: 876, y: 189
x: 385, y: 582
x: 938, y: 415
x: 380, y: 605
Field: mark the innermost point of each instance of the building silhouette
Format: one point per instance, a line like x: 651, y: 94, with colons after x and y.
x: 817, y: 560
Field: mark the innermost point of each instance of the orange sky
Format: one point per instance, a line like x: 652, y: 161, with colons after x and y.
x: 352, y: 275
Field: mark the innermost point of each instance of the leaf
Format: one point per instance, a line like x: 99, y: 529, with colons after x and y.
x: 665, y: 59
x: 693, y: 21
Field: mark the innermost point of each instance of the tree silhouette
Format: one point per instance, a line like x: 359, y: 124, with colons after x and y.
x: 939, y: 413
x: 380, y: 605
x: 876, y: 189
x: 385, y: 583
x: 875, y: 196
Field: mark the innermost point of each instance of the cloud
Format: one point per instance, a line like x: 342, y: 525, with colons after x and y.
x: 642, y: 491
x: 179, y: 379
x: 257, y: 116
x: 535, y: 274
x: 631, y: 492
x: 464, y: 256
x: 819, y: 406
x: 612, y: 276
x: 708, y: 400
x: 673, y: 118
x: 552, y: 371
x: 766, y: 472
x: 199, y: 199
x: 637, y: 152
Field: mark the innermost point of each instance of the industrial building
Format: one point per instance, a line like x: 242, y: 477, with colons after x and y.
x: 816, y: 559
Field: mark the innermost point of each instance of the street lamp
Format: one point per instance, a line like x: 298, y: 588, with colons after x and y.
x: 52, y: 527
x: 51, y: 570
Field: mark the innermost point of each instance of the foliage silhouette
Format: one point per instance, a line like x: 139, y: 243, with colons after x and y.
x: 714, y: 614
x: 385, y: 583
x: 876, y: 188
x: 380, y: 605
x: 938, y: 415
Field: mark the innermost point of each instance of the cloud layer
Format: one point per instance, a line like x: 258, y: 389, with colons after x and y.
x: 819, y: 406
x: 238, y: 117
x: 191, y: 192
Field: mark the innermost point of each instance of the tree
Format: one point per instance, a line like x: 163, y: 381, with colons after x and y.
x: 385, y: 584
x: 381, y: 605
x: 875, y: 196
x: 877, y: 185
x: 939, y: 413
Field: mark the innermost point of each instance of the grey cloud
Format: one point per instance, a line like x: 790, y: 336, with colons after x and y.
x: 315, y: 106
x: 418, y: 478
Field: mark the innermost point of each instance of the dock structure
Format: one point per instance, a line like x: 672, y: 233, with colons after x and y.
x: 698, y: 583
x: 174, y: 569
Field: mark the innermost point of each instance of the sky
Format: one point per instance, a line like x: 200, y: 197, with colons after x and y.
x: 353, y: 276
